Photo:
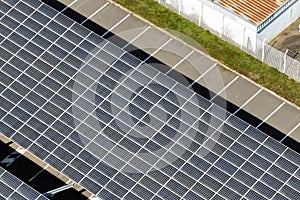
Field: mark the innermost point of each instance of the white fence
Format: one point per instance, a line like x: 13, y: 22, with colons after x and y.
x: 240, y: 32
x: 277, y: 59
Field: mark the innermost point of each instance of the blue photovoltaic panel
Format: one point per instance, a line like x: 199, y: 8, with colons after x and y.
x: 120, y: 128
x: 13, y: 188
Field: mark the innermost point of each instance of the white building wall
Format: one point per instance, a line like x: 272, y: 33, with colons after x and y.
x: 216, y: 19
x: 230, y: 26
x: 280, y: 23
x: 213, y: 19
x: 239, y: 31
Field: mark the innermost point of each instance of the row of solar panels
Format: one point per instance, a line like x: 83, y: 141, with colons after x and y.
x: 13, y: 188
x: 64, y: 99
x: 163, y: 43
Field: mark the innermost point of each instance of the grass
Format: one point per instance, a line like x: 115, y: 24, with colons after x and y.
x: 219, y: 49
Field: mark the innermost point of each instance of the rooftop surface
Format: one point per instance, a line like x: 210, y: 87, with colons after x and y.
x: 255, y: 10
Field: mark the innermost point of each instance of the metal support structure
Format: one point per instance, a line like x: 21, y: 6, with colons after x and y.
x: 13, y: 156
x: 284, y: 60
x: 57, y: 190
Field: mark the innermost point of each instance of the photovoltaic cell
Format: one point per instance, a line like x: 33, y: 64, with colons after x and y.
x: 9, y: 22
x: 110, y: 120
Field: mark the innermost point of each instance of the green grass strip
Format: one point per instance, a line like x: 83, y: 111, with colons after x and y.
x: 219, y: 49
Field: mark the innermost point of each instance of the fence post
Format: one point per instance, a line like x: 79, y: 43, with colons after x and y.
x: 179, y: 7
x: 284, y: 61
x: 263, y: 50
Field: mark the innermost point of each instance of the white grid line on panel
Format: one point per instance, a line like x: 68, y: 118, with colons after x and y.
x: 219, y: 159
x: 285, y: 183
x: 175, y: 142
x: 221, y: 169
x: 21, y: 184
x: 37, y: 84
x: 12, y: 7
x: 194, y: 153
x: 62, y: 113
x: 80, y: 96
x: 265, y: 171
x: 18, y: 50
x: 117, y: 156
x: 246, y: 160
x: 136, y: 123
x: 95, y: 108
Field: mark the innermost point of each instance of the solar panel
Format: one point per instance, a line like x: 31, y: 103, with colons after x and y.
x: 119, y: 127
x: 13, y: 188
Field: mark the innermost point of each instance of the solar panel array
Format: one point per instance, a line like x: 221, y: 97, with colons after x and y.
x: 120, y: 128
x: 13, y: 188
